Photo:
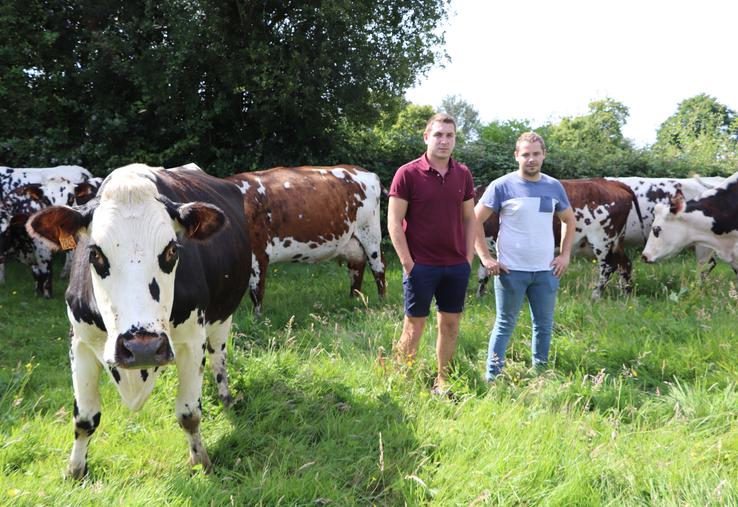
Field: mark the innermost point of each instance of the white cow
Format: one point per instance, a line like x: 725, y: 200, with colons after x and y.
x: 653, y: 191
x: 710, y: 221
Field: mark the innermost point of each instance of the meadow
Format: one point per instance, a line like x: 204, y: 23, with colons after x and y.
x: 639, y: 405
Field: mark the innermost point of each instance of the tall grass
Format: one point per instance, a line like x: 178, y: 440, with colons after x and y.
x: 638, y: 407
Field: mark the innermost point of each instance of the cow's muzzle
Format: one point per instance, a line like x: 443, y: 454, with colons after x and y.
x: 142, y: 349
x: 646, y: 259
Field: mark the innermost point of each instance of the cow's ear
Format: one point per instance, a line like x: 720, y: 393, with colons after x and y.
x: 677, y: 202
x: 199, y: 220
x: 83, y: 190
x: 59, y: 226
x: 32, y: 190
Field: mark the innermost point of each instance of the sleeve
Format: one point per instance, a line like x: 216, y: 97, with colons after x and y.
x: 400, y: 185
x: 563, y: 200
x: 490, y: 198
x: 469, y: 186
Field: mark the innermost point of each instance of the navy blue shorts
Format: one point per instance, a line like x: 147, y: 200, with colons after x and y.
x: 447, y: 283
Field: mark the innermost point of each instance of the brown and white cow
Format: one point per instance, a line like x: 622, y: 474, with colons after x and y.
x: 653, y: 191
x: 710, y: 221
x: 22, y: 193
x: 601, y: 210
x: 156, y: 276
x: 313, y: 214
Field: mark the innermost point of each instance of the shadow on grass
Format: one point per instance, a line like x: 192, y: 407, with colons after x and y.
x: 305, y: 441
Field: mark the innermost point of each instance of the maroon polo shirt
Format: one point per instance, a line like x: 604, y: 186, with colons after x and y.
x: 434, y: 224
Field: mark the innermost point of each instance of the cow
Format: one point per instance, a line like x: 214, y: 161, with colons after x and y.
x: 156, y: 276
x: 601, y: 210
x: 653, y: 191
x: 711, y: 220
x: 313, y: 214
x: 19, y: 188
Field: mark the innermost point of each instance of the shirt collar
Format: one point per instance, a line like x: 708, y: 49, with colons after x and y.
x: 425, y: 164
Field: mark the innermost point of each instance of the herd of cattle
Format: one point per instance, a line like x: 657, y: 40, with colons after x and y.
x: 161, y: 258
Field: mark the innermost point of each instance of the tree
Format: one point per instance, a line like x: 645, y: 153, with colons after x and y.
x: 229, y: 84
x: 467, y: 118
x: 702, y: 131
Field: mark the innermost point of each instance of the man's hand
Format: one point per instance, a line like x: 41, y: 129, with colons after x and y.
x: 560, y: 264
x: 408, y: 266
x: 494, y: 267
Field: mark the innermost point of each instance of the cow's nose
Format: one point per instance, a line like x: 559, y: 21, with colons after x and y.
x: 142, y: 349
x: 645, y: 259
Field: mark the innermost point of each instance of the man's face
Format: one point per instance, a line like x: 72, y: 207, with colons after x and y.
x: 530, y: 158
x: 440, y: 139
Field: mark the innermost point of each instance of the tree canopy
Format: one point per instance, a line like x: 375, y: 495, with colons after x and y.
x: 228, y: 84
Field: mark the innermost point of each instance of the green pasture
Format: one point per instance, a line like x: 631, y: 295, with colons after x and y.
x: 638, y: 408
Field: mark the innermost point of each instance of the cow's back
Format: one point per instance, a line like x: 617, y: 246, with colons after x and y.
x: 307, y: 205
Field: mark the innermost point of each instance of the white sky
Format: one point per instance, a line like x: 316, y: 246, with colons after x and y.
x: 542, y: 60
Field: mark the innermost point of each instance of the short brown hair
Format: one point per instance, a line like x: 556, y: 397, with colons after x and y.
x: 440, y: 117
x: 530, y: 137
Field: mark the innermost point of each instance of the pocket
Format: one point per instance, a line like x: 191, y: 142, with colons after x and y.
x: 546, y: 204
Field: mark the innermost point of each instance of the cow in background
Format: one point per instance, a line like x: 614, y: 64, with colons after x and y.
x: 710, y: 220
x: 157, y: 274
x: 313, y: 214
x: 23, y: 193
x: 653, y: 191
x: 601, y: 209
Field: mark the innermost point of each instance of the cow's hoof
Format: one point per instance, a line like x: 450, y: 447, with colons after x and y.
x: 76, y: 473
x: 205, y: 466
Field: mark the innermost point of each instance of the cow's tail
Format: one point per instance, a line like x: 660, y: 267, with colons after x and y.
x: 640, y: 217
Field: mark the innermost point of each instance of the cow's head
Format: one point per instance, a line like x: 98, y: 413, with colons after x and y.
x: 669, y: 232
x: 133, y: 237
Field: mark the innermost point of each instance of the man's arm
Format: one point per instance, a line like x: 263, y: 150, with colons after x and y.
x: 483, y: 213
x: 568, y: 225
x: 471, y: 227
x: 396, y: 211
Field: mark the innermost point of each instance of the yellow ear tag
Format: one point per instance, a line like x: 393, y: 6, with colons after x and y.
x: 66, y: 241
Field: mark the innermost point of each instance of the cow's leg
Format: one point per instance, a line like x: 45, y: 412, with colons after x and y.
x: 705, y: 260
x: 85, y: 378
x: 482, y: 279
x: 257, y: 281
x: 370, y: 240
x: 216, y: 346
x: 625, y: 269
x: 356, y: 274
x: 67, y: 265
x: 606, y: 267
x: 42, y: 275
x: 190, y: 359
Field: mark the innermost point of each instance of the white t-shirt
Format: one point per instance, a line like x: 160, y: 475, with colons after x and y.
x: 526, y: 208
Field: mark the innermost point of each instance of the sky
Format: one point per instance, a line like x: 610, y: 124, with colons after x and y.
x: 543, y: 60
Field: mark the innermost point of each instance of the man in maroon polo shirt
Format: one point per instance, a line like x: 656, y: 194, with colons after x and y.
x: 432, y: 226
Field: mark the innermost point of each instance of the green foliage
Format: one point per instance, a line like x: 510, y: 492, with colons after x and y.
x: 467, y: 118
x: 702, y: 132
x: 229, y: 85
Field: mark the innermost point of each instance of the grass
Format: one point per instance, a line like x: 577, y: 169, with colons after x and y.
x: 639, y: 405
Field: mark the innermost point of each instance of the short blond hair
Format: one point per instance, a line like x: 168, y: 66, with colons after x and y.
x: 440, y: 117
x: 530, y: 137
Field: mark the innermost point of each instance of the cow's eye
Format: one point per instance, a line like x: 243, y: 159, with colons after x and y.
x: 656, y: 231
x: 168, y: 257
x: 99, y: 261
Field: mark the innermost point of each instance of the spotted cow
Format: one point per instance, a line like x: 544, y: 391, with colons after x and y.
x: 653, y: 191
x: 313, y: 214
x: 601, y: 210
x: 23, y: 192
x: 156, y: 276
x: 711, y: 221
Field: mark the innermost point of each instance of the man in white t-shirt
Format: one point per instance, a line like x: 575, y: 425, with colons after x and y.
x: 525, y: 202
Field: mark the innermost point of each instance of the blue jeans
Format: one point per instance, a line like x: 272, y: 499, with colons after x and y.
x: 540, y: 287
